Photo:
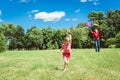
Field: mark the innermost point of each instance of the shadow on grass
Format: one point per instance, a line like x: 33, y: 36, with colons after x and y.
x: 58, y: 69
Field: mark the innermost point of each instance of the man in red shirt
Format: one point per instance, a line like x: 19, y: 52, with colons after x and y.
x: 96, y: 35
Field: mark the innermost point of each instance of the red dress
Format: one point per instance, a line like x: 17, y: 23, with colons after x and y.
x: 67, y: 50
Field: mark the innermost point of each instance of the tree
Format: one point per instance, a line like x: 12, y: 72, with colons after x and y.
x: 58, y: 37
x: 34, y: 38
x: 111, y: 42
x: 47, y: 37
x: 3, y: 43
x: 17, y: 40
x: 97, y: 17
x: 117, y: 38
x: 79, y: 37
x: 8, y: 30
x: 113, y: 22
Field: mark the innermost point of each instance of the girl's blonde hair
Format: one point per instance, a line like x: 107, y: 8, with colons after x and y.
x: 67, y: 39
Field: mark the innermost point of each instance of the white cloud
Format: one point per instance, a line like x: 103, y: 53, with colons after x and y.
x: 77, y: 11
x: 67, y: 19
x: 0, y: 12
x: 83, y: 1
x: 95, y: 3
x: 34, y: 11
x: 1, y: 20
x: 31, y: 13
x: 74, y: 19
x: 26, y: 1
x: 53, y: 16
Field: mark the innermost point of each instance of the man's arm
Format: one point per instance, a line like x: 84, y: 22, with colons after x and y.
x: 90, y: 30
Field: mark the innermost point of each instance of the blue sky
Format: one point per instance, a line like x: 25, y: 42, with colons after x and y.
x: 53, y: 13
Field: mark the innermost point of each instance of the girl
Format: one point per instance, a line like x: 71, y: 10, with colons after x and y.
x: 66, y: 46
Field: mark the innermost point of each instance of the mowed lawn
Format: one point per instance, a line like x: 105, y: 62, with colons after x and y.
x: 85, y: 64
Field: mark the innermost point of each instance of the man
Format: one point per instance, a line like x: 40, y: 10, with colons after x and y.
x: 96, y: 35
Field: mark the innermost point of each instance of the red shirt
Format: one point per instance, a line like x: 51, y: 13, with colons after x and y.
x: 96, y: 35
x: 66, y: 47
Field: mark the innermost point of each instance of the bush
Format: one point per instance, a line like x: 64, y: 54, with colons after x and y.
x: 117, y: 38
x: 3, y: 44
x: 112, y: 46
x: 111, y: 42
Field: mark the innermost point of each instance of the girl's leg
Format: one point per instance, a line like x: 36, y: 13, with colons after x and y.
x: 64, y: 69
x: 66, y: 61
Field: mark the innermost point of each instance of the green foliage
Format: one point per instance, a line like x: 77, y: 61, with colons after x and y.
x: 112, y: 46
x: 17, y: 39
x: 111, y: 42
x: 34, y: 38
x: 58, y: 37
x: 110, y: 24
x: 48, y: 38
x: 117, y: 38
x: 3, y: 43
x: 79, y: 37
x: 113, y: 22
x: 97, y: 17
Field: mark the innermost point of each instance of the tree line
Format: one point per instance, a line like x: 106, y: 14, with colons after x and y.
x: 14, y: 37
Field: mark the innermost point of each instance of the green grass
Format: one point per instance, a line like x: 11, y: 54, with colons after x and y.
x: 85, y: 64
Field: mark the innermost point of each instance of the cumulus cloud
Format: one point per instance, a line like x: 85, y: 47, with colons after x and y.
x: 53, y: 16
x: 83, y: 1
x: 77, y: 11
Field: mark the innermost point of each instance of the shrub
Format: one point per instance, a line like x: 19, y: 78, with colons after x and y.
x: 117, y: 38
x: 3, y: 43
x: 111, y: 42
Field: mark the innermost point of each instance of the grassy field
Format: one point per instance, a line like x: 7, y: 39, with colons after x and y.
x: 85, y: 64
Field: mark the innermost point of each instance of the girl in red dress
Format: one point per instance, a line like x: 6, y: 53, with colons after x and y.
x: 66, y: 47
